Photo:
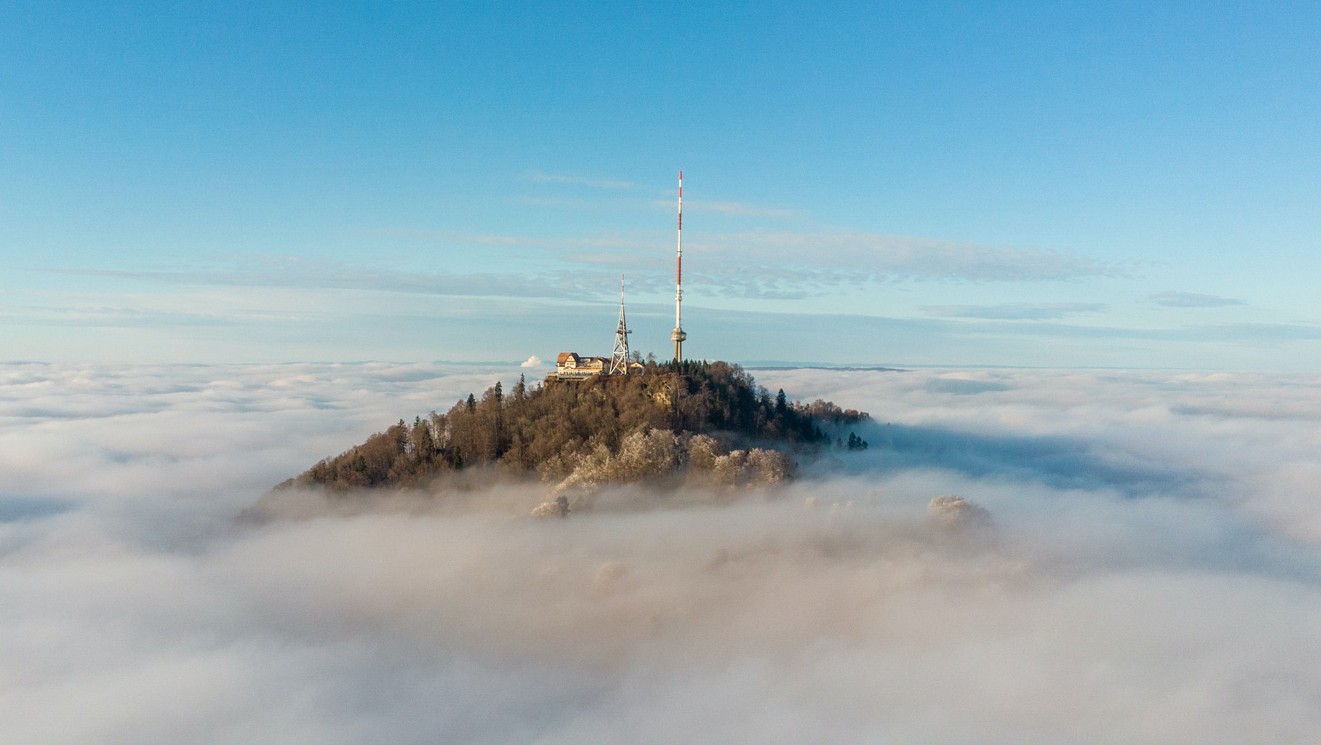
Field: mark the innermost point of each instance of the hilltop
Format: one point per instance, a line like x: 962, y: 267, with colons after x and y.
x: 667, y: 424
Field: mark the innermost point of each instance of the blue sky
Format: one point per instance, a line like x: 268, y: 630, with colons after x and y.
x: 906, y: 184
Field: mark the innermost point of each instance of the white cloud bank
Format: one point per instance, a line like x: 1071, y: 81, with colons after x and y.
x: 1151, y: 575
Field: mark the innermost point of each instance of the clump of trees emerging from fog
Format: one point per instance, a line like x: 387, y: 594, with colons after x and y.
x: 707, y: 422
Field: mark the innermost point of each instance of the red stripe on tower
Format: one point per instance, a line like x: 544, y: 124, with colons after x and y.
x: 679, y: 334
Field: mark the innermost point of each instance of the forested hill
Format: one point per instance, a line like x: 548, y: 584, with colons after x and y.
x: 599, y: 430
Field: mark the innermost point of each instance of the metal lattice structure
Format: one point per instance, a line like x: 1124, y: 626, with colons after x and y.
x: 619, y: 357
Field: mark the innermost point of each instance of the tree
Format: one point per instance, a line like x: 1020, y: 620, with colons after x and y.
x: 614, y: 422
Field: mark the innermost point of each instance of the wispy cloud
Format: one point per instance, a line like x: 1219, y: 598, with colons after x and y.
x: 480, y: 239
x: 733, y: 209
x: 306, y: 274
x: 911, y: 258
x: 740, y: 209
x: 558, y: 202
x: 127, y: 313
x: 541, y: 177
x: 1255, y: 333
x: 1014, y: 311
x: 758, y: 266
x: 801, y: 265
x: 1192, y: 300
x: 788, y: 264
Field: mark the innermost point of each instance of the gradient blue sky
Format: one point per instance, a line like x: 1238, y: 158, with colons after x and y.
x: 1051, y: 184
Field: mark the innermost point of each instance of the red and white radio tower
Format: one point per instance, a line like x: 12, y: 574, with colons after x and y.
x: 678, y: 336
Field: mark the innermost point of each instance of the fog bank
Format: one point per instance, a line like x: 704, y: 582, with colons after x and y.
x: 1148, y: 571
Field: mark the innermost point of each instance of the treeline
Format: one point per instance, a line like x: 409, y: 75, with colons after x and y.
x: 551, y: 429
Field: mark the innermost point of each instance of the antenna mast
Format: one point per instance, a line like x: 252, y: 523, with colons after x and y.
x: 679, y: 336
x: 619, y: 358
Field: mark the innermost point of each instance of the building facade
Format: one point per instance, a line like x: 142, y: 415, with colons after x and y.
x: 570, y: 366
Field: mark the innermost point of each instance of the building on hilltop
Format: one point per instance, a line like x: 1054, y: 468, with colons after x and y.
x: 570, y: 366
x: 573, y: 366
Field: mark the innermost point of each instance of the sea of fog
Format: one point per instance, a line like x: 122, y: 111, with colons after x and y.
x: 1150, y: 571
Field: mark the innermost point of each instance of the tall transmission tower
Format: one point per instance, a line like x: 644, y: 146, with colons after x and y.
x: 678, y: 335
x: 619, y: 358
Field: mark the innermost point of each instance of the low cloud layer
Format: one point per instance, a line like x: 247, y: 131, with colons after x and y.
x: 1148, y: 572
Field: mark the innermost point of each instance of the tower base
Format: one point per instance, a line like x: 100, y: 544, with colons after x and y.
x: 678, y: 337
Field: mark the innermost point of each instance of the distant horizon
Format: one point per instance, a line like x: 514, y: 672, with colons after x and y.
x: 751, y: 365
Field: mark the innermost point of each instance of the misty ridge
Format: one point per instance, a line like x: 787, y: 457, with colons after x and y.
x: 1136, y: 558
x: 699, y: 427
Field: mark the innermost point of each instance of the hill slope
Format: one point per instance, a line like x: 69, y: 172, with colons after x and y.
x: 669, y: 422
